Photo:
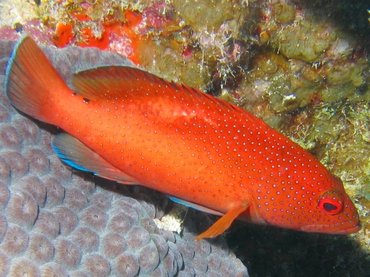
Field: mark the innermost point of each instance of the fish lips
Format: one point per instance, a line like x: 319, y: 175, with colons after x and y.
x: 328, y: 229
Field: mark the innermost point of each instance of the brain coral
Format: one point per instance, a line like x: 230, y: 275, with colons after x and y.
x: 56, y: 222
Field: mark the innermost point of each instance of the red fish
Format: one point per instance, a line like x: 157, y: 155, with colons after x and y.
x: 130, y: 126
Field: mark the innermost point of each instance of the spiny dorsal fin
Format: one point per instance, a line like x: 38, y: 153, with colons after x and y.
x: 112, y: 81
x: 115, y: 82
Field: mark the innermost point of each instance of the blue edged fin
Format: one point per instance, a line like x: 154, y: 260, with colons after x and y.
x: 194, y: 206
x: 77, y: 155
x: 31, y: 82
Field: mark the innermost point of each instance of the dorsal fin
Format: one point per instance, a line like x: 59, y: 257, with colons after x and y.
x: 111, y: 81
x: 115, y: 82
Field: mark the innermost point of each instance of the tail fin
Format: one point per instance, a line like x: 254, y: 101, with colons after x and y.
x: 31, y: 80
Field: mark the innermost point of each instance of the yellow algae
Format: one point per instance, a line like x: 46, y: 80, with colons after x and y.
x: 209, y: 14
x: 284, y: 13
x: 17, y: 11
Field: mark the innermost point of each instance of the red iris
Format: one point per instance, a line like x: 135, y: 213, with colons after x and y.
x: 330, y: 205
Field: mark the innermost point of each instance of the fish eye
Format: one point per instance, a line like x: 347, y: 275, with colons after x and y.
x: 330, y: 205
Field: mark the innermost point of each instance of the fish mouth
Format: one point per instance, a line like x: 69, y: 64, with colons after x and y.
x: 351, y: 230
x: 328, y: 229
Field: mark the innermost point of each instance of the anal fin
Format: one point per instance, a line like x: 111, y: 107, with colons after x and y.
x: 222, y: 224
x: 77, y: 155
x: 193, y: 205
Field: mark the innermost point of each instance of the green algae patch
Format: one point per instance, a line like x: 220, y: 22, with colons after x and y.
x: 303, y: 41
x: 295, y: 37
x: 284, y: 13
x: 209, y: 14
x: 169, y: 64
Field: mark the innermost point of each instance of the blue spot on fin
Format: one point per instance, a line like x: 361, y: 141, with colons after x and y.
x: 77, y: 155
x: 193, y: 205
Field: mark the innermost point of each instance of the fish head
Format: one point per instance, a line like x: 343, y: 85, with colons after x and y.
x: 321, y: 206
x: 333, y: 212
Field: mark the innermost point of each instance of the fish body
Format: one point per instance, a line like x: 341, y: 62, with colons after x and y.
x: 136, y: 128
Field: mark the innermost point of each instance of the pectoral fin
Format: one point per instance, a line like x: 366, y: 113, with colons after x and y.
x: 224, y: 222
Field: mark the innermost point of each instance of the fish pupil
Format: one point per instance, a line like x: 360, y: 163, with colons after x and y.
x: 329, y: 207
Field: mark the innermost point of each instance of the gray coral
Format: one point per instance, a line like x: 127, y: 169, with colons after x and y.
x: 56, y: 222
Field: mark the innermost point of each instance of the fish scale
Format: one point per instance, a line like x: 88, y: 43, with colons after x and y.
x: 133, y: 127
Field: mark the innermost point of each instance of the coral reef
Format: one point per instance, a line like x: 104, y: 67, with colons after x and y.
x: 60, y: 223
x: 312, y: 83
x: 302, y: 66
x: 162, y: 36
x: 310, y: 79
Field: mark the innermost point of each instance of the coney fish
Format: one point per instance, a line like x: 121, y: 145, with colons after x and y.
x: 133, y: 127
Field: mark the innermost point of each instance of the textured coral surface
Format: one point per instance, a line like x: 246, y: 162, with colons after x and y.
x: 55, y: 222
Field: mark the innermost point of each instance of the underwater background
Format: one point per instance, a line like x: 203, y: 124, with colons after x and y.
x: 302, y: 66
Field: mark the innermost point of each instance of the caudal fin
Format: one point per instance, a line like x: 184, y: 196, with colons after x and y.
x: 31, y: 80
